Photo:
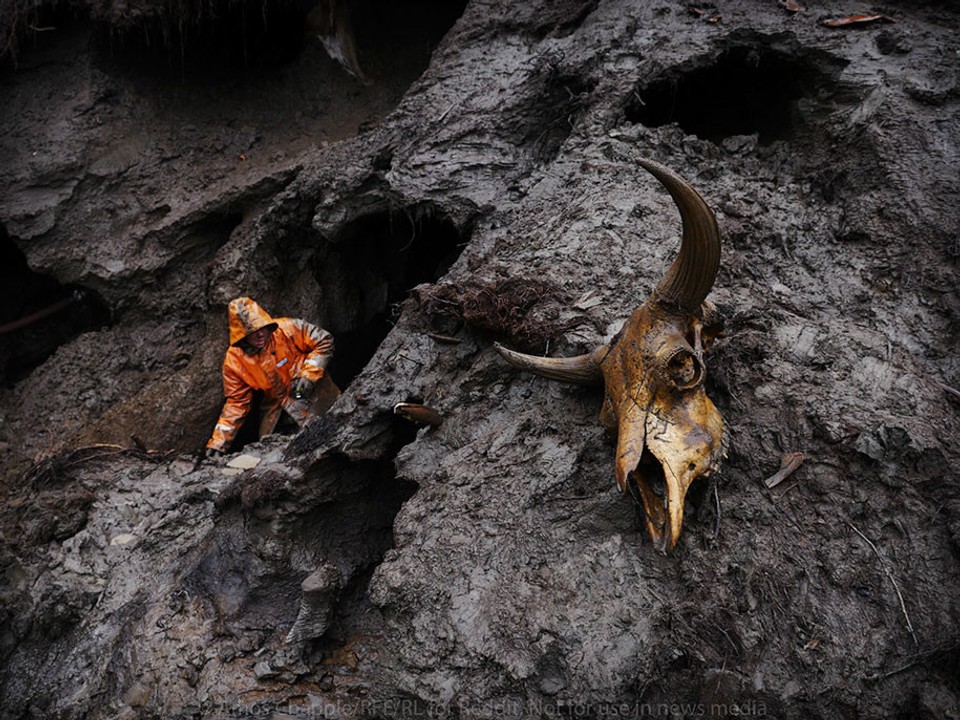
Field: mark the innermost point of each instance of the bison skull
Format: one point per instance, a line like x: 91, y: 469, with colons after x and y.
x: 668, y: 431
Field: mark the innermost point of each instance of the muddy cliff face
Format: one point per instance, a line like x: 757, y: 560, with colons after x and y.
x: 368, y: 567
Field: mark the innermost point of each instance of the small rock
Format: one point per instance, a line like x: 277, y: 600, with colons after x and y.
x: 319, y: 593
x: 181, y: 467
x: 137, y: 694
x: 740, y: 143
x: 263, y: 670
x: 124, y: 539
x: 244, y: 462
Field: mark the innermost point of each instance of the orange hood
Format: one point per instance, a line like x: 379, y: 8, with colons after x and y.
x: 246, y: 317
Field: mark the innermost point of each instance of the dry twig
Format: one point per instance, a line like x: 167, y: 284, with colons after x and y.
x: 788, y: 464
x: 445, y: 339
x: 946, y: 388
x: 918, y: 659
x: 893, y: 580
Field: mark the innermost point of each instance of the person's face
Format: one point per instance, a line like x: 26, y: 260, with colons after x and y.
x: 258, y: 339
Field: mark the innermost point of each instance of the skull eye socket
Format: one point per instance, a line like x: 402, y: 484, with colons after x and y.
x: 683, y: 369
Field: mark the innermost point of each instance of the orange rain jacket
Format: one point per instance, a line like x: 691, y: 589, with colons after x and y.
x: 295, y: 349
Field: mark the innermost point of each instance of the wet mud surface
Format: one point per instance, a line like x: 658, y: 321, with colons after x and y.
x: 482, y: 186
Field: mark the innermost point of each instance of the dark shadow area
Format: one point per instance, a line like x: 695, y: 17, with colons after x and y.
x: 38, y: 314
x: 398, y: 38
x: 249, y: 431
x: 747, y: 89
x: 386, y: 39
x: 373, y: 512
x: 368, y: 270
x: 27, y: 28
x: 208, y: 36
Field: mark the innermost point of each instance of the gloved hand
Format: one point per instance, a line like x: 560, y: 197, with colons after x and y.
x: 213, y: 453
x: 301, y: 388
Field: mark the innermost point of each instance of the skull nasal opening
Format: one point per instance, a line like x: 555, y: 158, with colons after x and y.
x: 368, y: 269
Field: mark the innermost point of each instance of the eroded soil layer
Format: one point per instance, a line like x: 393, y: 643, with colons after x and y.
x: 478, y: 183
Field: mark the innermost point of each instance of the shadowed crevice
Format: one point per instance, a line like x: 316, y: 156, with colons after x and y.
x: 38, y: 314
x: 370, y: 267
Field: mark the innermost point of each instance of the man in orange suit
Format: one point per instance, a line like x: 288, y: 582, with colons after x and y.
x: 285, y: 358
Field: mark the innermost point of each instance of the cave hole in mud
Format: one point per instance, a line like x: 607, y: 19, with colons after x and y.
x: 380, y: 40
x: 746, y: 90
x: 38, y: 314
x: 369, y: 268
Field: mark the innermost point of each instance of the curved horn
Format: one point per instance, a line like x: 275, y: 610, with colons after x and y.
x: 688, y: 281
x: 582, y: 370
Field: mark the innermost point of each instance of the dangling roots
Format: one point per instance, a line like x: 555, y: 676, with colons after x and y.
x: 54, y: 469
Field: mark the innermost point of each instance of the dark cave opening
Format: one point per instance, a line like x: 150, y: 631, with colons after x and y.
x: 747, y: 90
x: 372, y: 511
x: 370, y: 267
x: 38, y: 314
